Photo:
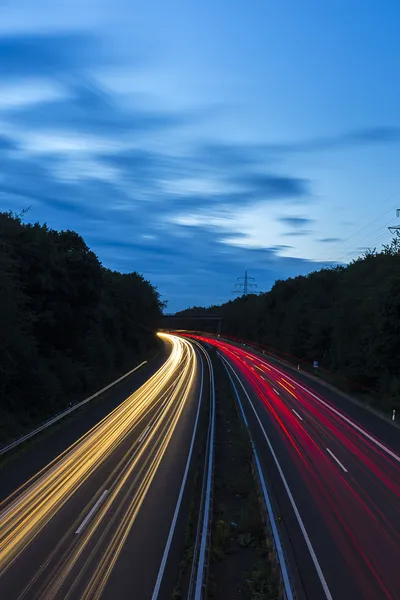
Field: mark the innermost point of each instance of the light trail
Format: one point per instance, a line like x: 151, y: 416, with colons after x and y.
x: 25, y: 515
x: 357, y: 504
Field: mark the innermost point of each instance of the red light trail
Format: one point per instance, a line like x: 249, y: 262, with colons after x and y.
x: 352, y: 477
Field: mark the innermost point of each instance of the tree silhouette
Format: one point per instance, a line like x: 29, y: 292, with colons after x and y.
x: 68, y: 325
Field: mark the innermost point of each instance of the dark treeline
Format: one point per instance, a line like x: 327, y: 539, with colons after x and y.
x: 347, y: 318
x: 67, y: 324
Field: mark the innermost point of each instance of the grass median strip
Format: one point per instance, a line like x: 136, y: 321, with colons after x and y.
x: 241, y: 563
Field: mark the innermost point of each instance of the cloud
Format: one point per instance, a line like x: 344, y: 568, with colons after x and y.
x: 265, y: 186
x: 137, y: 160
x: 80, y: 104
x: 225, y: 156
x: 87, y: 108
x: 330, y: 240
x: 227, y: 173
x: 360, y: 137
x: 298, y: 233
x: 7, y: 143
x: 190, y: 181
x: 54, y: 55
x: 27, y: 92
x: 279, y: 247
x: 238, y: 155
x: 295, y: 221
x: 373, y: 135
x: 32, y: 180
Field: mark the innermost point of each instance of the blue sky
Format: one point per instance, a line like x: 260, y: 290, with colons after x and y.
x: 192, y: 140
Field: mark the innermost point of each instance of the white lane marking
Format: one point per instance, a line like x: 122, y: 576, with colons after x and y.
x: 91, y: 512
x: 297, y: 414
x: 311, y: 550
x: 181, y: 491
x: 276, y: 392
x: 342, y: 416
x: 144, y: 433
x: 337, y: 460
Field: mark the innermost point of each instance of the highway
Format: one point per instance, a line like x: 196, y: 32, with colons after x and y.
x: 106, y: 517
x: 336, y: 483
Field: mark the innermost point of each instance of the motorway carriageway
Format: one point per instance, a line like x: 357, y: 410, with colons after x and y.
x: 100, y: 519
x: 336, y: 484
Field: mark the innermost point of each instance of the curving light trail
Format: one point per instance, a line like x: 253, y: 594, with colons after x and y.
x: 97, y: 533
x: 352, y: 477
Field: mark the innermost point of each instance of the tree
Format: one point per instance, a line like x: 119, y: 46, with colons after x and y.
x: 68, y: 324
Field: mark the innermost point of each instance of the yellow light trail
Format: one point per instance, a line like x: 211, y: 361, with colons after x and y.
x: 35, y: 504
x: 288, y: 383
x: 290, y: 391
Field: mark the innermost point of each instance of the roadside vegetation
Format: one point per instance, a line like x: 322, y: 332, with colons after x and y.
x: 241, y: 564
x: 347, y: 318
x: 68, y: 325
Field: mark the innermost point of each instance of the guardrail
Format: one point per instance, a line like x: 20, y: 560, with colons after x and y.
x: 64, y: 413
x: 199, y: 573
x: 286, y: 584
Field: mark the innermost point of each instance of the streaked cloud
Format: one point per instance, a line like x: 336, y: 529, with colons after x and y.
x: 296, y: 221
x: 361, y: 137
x: 47, y: 55
x: 330, y: 240
x: 298, y: 233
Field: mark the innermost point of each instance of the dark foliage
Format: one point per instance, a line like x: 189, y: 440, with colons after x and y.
x: 67, y: 324
x: 347, y: 318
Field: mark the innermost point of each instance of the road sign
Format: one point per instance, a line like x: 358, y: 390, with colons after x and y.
x: 315, y: 364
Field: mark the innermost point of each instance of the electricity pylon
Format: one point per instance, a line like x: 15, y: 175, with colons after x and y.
x: 243, y: 288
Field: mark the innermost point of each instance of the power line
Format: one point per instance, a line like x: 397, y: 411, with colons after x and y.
x: 377, y: 240
x: 353, y: 247
x: 245, y: 285
x: 375, y: 244
x: 328, y: 250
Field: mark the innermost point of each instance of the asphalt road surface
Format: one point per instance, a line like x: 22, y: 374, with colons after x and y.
x: 95, y: 522
x: 334, y: 469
